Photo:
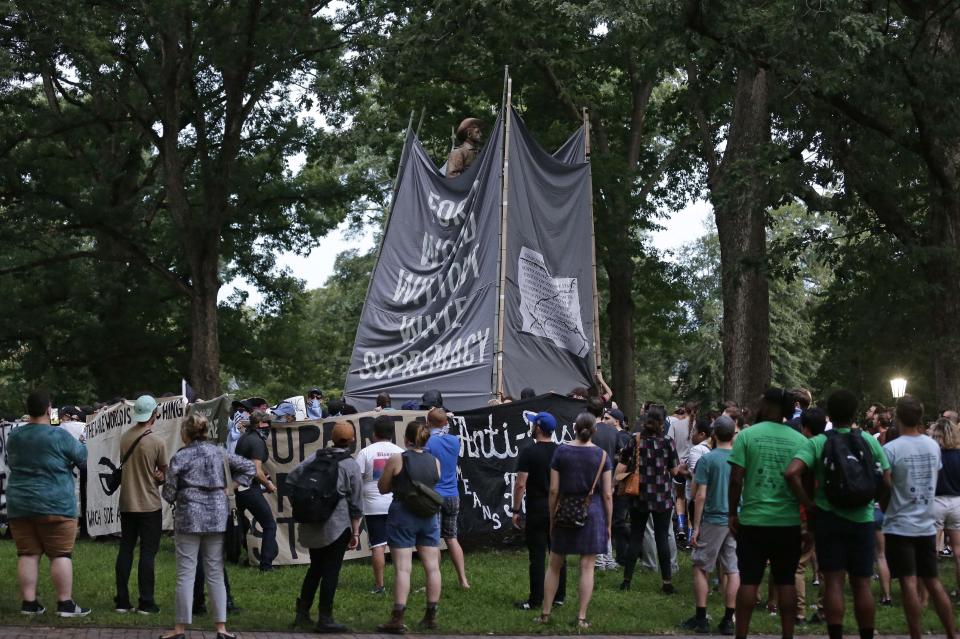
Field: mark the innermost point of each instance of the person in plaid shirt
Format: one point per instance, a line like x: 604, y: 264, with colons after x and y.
x: 655, y: 458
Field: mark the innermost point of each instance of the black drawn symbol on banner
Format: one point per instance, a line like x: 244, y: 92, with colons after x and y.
x: 107, y: 478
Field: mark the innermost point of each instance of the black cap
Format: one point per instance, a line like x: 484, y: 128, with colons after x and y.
x: 431, y: 399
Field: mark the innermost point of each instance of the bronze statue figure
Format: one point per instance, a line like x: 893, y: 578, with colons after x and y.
x: 463, y: 156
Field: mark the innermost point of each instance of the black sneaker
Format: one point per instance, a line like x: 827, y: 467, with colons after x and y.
x: 697, y: 625
x: 69, y: 608
x: 887, y: 603
x: 624, y: 585
x: 524, y: 605
x: 668, y: 589
x: 726, y: 627
x: 148, y: 609
x: 556, y: 603
x: 32, y: 608
x: 378, y: 590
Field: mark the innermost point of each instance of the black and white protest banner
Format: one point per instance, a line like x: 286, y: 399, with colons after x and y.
x: 103, y: 455
x: 548, y: 321
x: 430, y: 314
x: 490, y: 440
x: 288, y: 445
x: 4, y: 467
x: 485, y: 284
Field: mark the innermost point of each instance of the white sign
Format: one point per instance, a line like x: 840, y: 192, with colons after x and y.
x: 103, y: 455
x: 550, y: 306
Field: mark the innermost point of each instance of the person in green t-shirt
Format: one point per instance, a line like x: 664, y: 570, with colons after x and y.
x: 844, y: 537
x: 767, y: 526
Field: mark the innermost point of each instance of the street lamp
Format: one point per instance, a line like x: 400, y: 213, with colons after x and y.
x: 898, y: 386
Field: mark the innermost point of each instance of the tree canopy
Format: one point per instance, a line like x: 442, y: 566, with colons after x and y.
x: 153, y: 152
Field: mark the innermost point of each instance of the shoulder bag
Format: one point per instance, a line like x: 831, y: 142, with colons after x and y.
x: 631, y: 485
x: 572, y: 510
x: 112, y: 481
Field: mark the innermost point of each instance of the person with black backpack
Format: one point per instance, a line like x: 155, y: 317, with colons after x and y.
x: 412, y: 522
x: 849, y: 469
x: 326, y: 492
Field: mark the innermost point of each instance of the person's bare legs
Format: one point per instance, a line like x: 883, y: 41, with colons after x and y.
x: 586, y: 584
x: 788, y: 608
x: 430, y: 556
x: 402, y: 563
x: 746, y: 602
x: 864, y: 607
x: 551, y: 581
x: 883, y: 569
x: 700, y: 587
x: 954, y: 538
x: 61, y: 573
x: 731, y: 586
x: 941, y: 603
x: 28, y: 571
x: 911, y: 605
x: 833, y: 604
x: 459, y: 564
x: 379, y: 561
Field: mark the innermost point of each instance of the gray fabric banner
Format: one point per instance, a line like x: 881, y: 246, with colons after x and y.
x: 548, y: 318
x: 429, y: 320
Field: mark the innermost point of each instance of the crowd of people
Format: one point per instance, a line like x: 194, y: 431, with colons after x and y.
x: 792, y: 485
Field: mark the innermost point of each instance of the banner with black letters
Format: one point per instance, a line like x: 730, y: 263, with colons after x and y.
x: 490, y: 440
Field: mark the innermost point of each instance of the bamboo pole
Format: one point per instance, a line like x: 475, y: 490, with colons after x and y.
x: 502, y: 260
x: 593, y: 246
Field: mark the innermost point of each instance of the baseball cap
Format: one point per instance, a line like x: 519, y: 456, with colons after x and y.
x: 431, y: 399
x: 342, y: 433
x: 546, y: 422
x: 143, y: 408
x: 284, y: 409
x: 617, y: 414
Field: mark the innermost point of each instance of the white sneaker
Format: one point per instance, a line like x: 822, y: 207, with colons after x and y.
x: 69, y: 608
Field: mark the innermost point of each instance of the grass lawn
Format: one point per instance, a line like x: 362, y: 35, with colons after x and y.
x: 498, y: 579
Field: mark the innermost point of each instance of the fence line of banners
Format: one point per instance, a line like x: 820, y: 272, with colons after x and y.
x: 490, y: 439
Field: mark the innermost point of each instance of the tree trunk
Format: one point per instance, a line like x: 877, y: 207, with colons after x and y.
x: 739, y: 194
x: 620, y: 310
x: 203, y: 255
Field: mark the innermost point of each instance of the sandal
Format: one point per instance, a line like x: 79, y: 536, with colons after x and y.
x: 583, y: 624
x: 542, y: 618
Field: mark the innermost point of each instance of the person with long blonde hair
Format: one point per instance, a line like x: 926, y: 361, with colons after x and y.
x: 947, y: 500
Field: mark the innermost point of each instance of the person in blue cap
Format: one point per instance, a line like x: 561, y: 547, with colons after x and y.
x: 533, y: 480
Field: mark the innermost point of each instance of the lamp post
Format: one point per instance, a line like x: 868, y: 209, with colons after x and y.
x: 898, y: 387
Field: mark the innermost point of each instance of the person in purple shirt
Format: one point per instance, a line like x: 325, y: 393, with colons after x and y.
x: 446, y: 448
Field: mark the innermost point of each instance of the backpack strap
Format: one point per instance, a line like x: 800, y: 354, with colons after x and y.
x: 126, y: 455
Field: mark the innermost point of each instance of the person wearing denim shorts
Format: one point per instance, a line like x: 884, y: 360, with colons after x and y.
x: 446, y: 448
x: 407, y: 531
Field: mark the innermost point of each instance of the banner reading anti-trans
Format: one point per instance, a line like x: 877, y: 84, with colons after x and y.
x: 548, y: 318
x: 429, y: 320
